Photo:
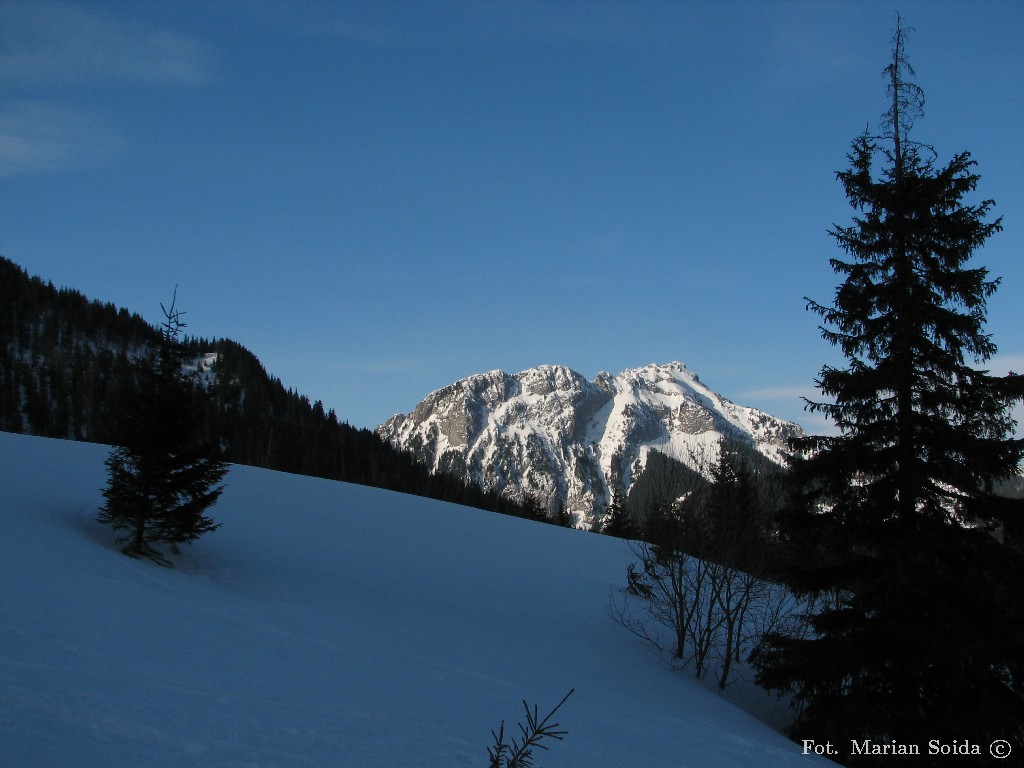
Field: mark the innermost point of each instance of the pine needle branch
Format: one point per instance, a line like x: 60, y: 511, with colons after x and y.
x: 519, y: 754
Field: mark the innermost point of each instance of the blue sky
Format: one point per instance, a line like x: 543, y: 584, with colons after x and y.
x: 381, y: 198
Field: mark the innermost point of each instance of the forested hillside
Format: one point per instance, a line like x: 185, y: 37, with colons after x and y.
x: 68, y: 362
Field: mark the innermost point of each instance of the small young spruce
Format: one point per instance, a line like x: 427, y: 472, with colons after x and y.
x: 519, y: 752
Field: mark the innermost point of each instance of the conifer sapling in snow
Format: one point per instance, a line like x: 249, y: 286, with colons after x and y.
x: 163, y: 475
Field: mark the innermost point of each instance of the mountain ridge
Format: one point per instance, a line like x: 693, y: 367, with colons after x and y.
x: 550, y: 433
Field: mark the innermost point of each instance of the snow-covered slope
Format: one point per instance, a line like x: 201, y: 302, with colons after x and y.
x: 553, y: 434
x: 325, y: 624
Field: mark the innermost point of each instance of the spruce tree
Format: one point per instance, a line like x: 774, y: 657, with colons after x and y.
x: 728, y: 522
x: 915, y: 563
x: 163, y: 476
x: 618, y: 520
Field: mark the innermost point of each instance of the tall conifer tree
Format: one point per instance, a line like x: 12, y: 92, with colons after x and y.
x: 894, y: 519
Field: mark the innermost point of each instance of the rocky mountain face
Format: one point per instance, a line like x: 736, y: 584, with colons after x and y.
x: 550, y: 433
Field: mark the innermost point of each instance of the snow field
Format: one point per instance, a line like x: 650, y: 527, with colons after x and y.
x: 325, y: 624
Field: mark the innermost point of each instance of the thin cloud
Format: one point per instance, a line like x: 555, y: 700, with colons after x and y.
x: 797, y: 54
x: 794, y: 392
x: 45, y: 136
x: 372, y: 366
x: 817, y: 424
x: 607, y: 22
x: 787, y: 402
x: 54, y: 43
x: 1000, y: 365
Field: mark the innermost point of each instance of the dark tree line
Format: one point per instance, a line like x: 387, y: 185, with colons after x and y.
x: 65, y: 362
x: 69, y: 366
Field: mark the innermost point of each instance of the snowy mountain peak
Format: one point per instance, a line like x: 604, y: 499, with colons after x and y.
x: 553, y: 434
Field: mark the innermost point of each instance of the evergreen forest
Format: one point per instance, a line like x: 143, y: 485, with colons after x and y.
x: 69, y: 364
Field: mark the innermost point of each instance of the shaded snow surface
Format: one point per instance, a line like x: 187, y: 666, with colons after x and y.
x: 325, y: 624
